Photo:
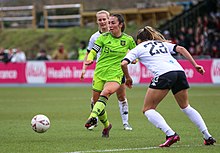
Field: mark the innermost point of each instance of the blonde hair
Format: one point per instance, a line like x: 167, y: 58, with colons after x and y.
x: 103, y: 12
x: 149, y: 33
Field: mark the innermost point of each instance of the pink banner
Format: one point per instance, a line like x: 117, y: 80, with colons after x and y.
x: 57, y: 72
x: 193, y: 76
x: 142, y: 75
x: 12, y: 73
x: 69, y: 72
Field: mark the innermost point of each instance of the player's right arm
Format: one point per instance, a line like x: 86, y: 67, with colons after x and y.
x: 84, y: 66
x: 90, y: 45
x: 90, y: 58
x: 95, y: 49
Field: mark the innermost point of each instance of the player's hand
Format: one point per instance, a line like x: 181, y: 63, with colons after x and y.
x: 129, y: 82
x: 82, y: 74
x: 200, y: 69
x: 89, y: 62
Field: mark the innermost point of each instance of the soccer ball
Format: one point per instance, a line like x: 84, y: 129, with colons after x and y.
x: 40, y: 123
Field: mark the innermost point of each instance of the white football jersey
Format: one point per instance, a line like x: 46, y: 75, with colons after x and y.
x: 92, y: 42
x: 156, y: 56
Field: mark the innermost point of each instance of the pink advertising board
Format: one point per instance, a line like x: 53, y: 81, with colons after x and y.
x: 12, y: 73
x: 69, y: 72
x: 57, y: 72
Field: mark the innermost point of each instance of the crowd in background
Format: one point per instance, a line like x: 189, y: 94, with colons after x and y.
x: 202, y: 41
x: 12, y: 55
x: 17, y: 55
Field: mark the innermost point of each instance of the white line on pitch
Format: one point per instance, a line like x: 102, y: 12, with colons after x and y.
x: 132, y: 149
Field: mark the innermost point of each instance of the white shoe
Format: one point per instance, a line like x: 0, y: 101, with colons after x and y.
x: 92, y: 127
x: 127, y: 127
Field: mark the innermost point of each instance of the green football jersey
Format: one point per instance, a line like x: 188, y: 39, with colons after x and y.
x: 113, y: 50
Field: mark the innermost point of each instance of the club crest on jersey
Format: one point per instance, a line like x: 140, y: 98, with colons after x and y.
x: 123, y: 42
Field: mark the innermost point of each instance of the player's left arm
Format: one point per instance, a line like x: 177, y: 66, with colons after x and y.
x: 187, y: 55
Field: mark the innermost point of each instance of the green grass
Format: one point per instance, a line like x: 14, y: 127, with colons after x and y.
x: 69, y: 107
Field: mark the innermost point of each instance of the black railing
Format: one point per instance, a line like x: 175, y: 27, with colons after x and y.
x: 187, y: 19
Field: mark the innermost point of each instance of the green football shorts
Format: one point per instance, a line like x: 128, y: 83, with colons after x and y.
x: 98, y: 83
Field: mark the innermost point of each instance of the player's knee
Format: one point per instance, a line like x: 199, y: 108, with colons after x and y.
x: 107, y: 92
x: 121, y: 98
x: 144, y: 109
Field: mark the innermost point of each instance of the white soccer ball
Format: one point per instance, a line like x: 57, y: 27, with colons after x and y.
x: 40, y: 123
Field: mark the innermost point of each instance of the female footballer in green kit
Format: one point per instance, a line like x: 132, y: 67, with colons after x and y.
x: 103, y: 26
x: 108, y: 74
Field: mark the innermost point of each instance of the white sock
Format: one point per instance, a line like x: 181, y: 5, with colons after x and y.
x: 196, y: 118
x: 157, y: 120
x: 123, y: 107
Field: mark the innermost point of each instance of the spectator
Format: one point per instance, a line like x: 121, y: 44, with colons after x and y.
x: 215, y: 51
x: 199, y: 24
x: 42, y: 55
x: 18, y: 55
x: 199, y: 39
x: 192, y: 49
x: 61, y: 53
x: 183, y: 30
x: 4, y: 57
x: 205, y: 21
x: 167, y: 35
x: 198, y: 50
x: 189, y: 37
x: 82, y: 51
x: 215, y: 47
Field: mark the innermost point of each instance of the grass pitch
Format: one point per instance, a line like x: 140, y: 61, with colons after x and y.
x: 69, y: 107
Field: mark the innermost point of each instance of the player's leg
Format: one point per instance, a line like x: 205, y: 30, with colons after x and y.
x: 152, y: 99
x: 182, y: 99
x: 108, y: 90
x: 123, y: 106
x: 98, y: 85
x: 158, y: 89
x: 180, y: 91
x: 99, y: 108
x: 94, y: 99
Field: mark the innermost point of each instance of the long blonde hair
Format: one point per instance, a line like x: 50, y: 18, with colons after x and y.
x: 149, y: 33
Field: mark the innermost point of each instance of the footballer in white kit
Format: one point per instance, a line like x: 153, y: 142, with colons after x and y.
x: 156, y: 56
x: 154, y: 51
